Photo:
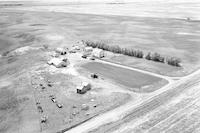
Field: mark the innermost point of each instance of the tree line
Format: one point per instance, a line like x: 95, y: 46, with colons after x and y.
x: 135, y: 53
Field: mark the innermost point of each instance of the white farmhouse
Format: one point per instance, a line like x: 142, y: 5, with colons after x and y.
x: 99, y: 53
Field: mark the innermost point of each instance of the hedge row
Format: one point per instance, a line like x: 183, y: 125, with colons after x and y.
x: 135, y: 53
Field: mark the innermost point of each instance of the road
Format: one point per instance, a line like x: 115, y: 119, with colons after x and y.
x: 137, y: 108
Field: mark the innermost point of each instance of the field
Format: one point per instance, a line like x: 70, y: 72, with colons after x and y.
x: 135, y: 81
x: 166, y: 35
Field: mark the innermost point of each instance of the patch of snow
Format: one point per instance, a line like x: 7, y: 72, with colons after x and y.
x: 70, y: 70
x: 22, y: 50
x: 185, y: 33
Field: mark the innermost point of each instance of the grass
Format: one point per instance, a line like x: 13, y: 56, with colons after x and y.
x: 132, y: 79
x: 155, y: 67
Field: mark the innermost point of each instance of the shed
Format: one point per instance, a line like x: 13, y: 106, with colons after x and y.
x: 98, y: 53
x: 76, y: 47
x: 83, y: 88
x: 88, y: 49
x: 57, y: 62
x: 61, y: 51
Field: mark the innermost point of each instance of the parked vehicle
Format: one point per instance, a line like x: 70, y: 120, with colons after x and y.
x: 59, y: 105
x: 43, y: 119
x: 53, y: 99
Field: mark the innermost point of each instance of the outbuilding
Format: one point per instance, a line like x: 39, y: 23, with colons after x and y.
x: 57, y: 62
x: 99, y: 53
x: 88, y: 49
x: 83, y: 88
x: 61, y: 51
x: 76, y: 47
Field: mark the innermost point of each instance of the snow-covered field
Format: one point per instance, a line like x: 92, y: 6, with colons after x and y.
x: 160, y: 9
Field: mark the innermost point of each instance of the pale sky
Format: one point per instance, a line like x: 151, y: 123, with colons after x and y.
x: 93, y: 1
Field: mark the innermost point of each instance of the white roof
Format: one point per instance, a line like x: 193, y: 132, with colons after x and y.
x: 96, y: 50
x: 60, y: 49
x: 79, y: 87
x: 85, y: 83
x: 88, y: 48
x: 55, y: 61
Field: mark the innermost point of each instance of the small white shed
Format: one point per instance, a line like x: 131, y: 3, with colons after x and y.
x: 83, y: 88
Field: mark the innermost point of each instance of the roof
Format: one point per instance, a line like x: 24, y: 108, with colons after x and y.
x: 96, y: 50
x: 85, y: 83
x: 55, y: 61
x: 60, y: 49
x: 88, y: 48
x: 79, y: 87
x: 76, y: 47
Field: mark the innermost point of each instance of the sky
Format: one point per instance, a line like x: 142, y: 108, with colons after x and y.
x: 93, y: 1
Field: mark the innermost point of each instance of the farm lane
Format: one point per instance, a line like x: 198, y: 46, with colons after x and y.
x: 138, y: 107
x: 169, y: 79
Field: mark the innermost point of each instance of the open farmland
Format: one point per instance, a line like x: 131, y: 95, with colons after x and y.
x: 157, y: 27
x: 135, y: 81
x: 48, y: 84
x: 166, y: 35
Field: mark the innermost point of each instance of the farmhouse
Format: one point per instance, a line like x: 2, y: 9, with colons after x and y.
x: 83, y: 88
x: 98, y: 53
x: 57, y: 62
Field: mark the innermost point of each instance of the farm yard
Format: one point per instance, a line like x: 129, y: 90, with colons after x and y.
x: 52, y: 81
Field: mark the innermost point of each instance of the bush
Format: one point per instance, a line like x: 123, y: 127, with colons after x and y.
x: 148, y: 56
x: 157, y: 57
x: 174, y: 61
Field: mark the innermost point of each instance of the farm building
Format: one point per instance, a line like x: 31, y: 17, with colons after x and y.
x: 98, y: 53
x: 83, y: 88
x: 88, y: 49
x: 76, y: 47
x: 61, y: 51
x: 58, y: 62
